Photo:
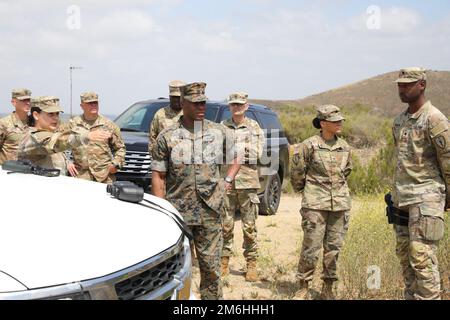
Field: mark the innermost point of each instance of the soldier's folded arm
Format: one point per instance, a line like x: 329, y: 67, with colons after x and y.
x: 160, y: 166
x: 118, y: 148
x: 440, y: 135
x: 2, y: 135
x: 349, y: 167
x: 299, y: 163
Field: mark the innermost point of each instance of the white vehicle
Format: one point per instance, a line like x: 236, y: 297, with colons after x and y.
x: 65, y: 238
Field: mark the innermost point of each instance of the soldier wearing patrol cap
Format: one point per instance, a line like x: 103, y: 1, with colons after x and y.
x: 42, y: 145
x: 319, y: 171
x: 14, y: 126
x: 167, y: 116
x: 186, y: 171
x: 96, y: 161
x: 248, y: 139
x: 421, y: 184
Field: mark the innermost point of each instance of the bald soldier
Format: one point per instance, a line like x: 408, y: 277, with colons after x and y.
x: 421, y: 185
x: 186, y: 171
x: 14, y: 126
x: 249, y: 139
x: 98, y: 160
x: 167, y: 116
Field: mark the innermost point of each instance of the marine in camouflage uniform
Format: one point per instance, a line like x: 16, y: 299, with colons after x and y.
x: 98, y: 160
x: 248, y: 139
x: 167, y: 116
x: 421, y: 185
x: 187, y: 162
x: 45, y: 148
x: 319, y: 171
x: 12, y: 128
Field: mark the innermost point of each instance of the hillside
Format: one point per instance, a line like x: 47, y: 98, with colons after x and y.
x: 378, y: 93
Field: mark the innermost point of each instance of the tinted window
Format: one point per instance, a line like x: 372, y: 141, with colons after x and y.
x: 211, y: 112
x: 270, y: 121
x: 138, y: 116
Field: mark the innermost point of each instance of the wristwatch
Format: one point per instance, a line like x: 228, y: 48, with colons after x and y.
x: 228, y: 179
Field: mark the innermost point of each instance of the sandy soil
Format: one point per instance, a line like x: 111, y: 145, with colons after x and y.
x: 279, y: 239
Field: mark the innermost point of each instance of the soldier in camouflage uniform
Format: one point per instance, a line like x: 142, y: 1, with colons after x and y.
x: 42, y: 145
x: 14, y: 126
x: 319, y: 170
x: 186, y: 171
x: 248, y: 139
x: 96, y: 161
x: 167, y: 116
x: 421, y: 185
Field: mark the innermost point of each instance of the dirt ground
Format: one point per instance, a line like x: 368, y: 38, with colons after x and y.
x: 279, y: 243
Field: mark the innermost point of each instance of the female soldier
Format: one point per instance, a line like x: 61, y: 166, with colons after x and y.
x: 42, y: 145
x: 320, y: 167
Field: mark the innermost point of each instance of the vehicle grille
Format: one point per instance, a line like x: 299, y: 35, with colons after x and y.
x: 150, y: 280
x: 136, y: 162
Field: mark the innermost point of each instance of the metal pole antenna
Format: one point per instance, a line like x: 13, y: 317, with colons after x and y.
x: 70, y: 71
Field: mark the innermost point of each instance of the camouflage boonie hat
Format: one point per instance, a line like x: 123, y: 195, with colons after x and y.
x: 89, y: 97
x: 21, y: 94
x: 47, y: 104
x: 329, y: 113
x: 238, y: 98
x: 410, y: 75
x: 174, y: 88
x: 194, y: 92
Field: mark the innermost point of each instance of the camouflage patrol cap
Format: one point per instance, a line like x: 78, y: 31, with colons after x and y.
x: 21, y: 94
x: 329, y: 113
x: 174, y: 88
x: 238, y: 98
x: 47, y: 104
x: 194, y: 92
x: 89, y: 97
x: 410, y: 75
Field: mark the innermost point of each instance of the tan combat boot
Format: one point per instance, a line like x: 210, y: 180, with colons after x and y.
x: 225, y: 261
x: 252, y: 273
x: 327, y: 291
x: 303, y: 290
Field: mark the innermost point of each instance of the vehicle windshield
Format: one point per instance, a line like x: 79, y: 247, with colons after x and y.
x: 138, y: 117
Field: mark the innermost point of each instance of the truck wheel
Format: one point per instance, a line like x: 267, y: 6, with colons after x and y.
x: 271, y: 197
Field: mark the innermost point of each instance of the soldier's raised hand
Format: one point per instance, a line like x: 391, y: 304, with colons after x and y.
x: 99, y: 135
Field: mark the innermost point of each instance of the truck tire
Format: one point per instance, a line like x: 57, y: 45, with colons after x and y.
x: 270, y: 200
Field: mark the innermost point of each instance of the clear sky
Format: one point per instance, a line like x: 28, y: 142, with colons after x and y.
x: 273, y: 49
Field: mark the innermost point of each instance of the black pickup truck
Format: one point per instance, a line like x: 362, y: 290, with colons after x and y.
x: 135, y: 122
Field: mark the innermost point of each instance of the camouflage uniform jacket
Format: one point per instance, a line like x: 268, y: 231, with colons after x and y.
x: 12, y: 131
x: 164, y: 118
x: 45, y: 148
x: 423, y: 157
x: 97, y: 156
x: 249, y: 139
x: 320, y: 172
x: 192, y: 165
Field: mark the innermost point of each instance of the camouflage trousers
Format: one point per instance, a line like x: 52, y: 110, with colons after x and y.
x: 85, y: 174
x: 417, y: 246
x: 325, y: 229
x: 247, y: 202
x: 208, y: 243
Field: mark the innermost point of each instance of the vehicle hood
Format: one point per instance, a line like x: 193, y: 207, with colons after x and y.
x: 136, y: 141
x: 59, y: 230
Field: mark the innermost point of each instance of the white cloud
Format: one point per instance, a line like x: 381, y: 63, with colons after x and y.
x: 130, y: 24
